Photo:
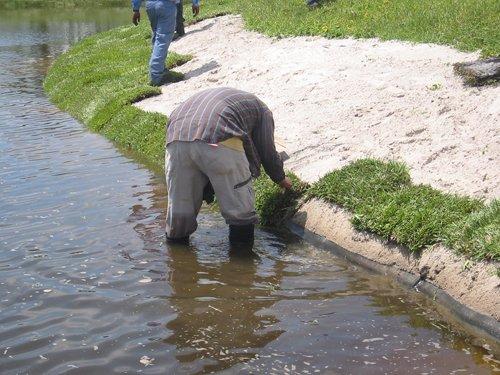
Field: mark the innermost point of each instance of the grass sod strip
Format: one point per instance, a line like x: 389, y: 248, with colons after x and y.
x: 97, y: 80
x: 383, y: 201
x: 273, y: 204
x: 362, y: 182
x: 415, y: 216
x: 25, y: 4
x: 478, y: 234
x: 468, y: 25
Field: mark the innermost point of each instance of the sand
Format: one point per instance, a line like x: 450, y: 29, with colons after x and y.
x: 335, y: 101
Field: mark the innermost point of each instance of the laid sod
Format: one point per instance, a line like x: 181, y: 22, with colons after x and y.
x: 18, y: 4
x: 98, y: 79
x: 415, y: 216
x: 477, y: 234
x: 468, y: 25
x: 346, y: 188
x: 274, y: 205
x: 383, y: 201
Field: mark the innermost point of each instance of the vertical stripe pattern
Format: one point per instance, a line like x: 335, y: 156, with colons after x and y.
x: 215, y: 115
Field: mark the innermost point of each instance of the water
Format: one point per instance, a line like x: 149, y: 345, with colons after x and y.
x: 87, y: 284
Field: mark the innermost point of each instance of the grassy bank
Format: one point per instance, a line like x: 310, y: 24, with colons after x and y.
x: 22, y: 4
x: 385, y: 202
x: 468, y: 25
x: 98, y: 79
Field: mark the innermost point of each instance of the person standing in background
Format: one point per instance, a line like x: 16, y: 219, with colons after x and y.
x: 179, y: 23
x: 162, y: 16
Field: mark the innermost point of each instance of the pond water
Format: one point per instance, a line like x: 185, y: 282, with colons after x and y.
x: 88, y: 286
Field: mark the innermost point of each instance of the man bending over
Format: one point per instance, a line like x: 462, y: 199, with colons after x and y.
x: 220, y: 137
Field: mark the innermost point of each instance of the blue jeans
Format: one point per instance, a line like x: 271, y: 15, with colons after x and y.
x: 162, y: 15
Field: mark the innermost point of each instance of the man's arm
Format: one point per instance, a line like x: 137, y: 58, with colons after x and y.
x: 263, y: 139
x: 136, y: 17
x: 196, y: 7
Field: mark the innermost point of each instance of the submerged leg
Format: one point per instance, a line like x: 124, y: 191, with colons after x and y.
x: 185, y: 183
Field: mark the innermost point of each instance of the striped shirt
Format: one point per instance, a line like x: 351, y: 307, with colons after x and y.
x: 215, y: 115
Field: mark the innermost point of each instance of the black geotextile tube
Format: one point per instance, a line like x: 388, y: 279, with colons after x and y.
x: 474, y: 321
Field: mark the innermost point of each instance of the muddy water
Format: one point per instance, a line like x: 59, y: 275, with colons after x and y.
x: 87, y: 285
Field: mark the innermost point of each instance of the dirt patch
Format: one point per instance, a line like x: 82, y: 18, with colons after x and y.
x: 474, y: 284
x: 338, y: 100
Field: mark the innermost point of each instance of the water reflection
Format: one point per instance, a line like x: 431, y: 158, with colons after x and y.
x: 217, y: 305
x: 216, y: 291
x: 433, y: 339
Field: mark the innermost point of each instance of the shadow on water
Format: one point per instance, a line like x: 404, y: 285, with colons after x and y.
x: 88, y: 285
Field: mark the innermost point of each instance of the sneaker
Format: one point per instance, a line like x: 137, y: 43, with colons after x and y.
x: 179, y: 30
x: 179, y: 241
x: 178, y: 35
x: 169, y: 76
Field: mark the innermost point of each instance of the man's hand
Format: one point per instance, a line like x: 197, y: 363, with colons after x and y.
x: 136, y: 18
x: 196, y: 10
x: 286, y: 183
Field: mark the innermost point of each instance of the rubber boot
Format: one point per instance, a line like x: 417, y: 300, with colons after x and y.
x: 180, y: 240
x: 208, y: 193
x: 241, y: 235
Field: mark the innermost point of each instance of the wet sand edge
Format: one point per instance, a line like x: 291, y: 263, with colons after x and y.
x: 468, y: 290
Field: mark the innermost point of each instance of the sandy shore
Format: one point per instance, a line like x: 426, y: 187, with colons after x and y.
x: 335, y: 101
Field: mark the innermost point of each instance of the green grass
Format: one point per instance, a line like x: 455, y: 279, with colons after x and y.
x: 275, y: 205
x: 477, y: 234
x: 21, y: 4
x: 385, y: 202
x: 362, y: 182
x: 414, y: 216
x: 97, y: 80
x: 100, y: 77
x: 468, y: 25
